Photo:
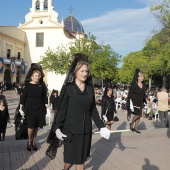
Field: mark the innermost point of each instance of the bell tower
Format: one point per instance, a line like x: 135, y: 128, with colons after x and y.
x: 41, y: 5
x: 41, y: 10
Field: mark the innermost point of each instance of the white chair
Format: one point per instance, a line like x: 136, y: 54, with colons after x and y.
x: 118, y: 101
x: 156, y: 114
x: 49, y: 115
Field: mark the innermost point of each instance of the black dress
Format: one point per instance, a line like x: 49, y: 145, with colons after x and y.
x: 4, y: 116
x: 138, y: 97
x: 54, y: 102
x: 75, y: 117
x: 34, y: 98
x: 108, y: 105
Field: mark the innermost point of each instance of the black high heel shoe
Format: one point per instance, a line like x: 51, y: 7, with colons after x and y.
x: 132, y: 129
x: 34, y: 147
x: 28, y: 147
x: 137, y: 131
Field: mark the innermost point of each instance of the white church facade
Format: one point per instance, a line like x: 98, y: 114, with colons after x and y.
x: 20, y: 46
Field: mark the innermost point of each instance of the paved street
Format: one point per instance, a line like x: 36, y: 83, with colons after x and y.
x: 127, y: 150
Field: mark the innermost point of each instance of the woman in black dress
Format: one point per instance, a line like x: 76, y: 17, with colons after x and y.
x: 54, y: 101
x: 108, y: 106
x: 136, y: 98
x: 4, y: 117
x: 35, y: 101
x: 76, y: 108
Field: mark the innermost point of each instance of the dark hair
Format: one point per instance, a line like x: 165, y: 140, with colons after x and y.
x: 135, y: 78
x: 55, y: 91
x: 108, y: 87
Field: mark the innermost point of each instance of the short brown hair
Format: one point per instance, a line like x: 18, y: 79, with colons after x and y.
x: 79, y: 65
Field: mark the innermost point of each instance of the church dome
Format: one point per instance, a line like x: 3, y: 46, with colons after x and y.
x: 73, y: 25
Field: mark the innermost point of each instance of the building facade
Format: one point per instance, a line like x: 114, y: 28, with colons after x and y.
x: 19, y: 47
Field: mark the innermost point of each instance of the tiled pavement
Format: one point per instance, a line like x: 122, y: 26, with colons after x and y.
x: 149, y: 150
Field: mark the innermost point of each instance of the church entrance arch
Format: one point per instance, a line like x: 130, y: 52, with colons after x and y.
x: 7, y: 78
x: 18, y: 76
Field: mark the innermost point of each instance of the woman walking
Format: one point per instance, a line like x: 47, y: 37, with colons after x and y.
x: 34, y: 100
x: 4, y: 117
x: 108, y: 106
x: 76, y: 108
x: 136, y: 98
x: 54, y: 101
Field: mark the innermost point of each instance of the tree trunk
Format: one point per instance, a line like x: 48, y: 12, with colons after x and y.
x: 164, y: 81
x: 169, y: 83
x: 150, y: 82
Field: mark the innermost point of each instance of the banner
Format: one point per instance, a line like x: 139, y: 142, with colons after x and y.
x: 1, y: 64
x: 12, y: 66
x: 22, y: 68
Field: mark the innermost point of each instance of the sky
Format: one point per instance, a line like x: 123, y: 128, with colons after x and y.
x: 123, y: 24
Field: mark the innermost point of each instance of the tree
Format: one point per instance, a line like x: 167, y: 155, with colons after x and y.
x: 131, y: 62
x: 102, y: 59
x: 162, y: 13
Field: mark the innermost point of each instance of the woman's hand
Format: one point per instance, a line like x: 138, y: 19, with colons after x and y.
x: 131, y: 106
x: 46, y: 105
x: 59, y: 134
x: 105, y: 132
x: 21, y: 107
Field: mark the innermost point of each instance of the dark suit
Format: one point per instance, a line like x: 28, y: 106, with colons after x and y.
x: 77, y: 110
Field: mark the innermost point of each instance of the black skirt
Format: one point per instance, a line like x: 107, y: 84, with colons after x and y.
x: 77, y: 150
x: 137, y: 111
x: 35, y: 119
x: 110, y: 116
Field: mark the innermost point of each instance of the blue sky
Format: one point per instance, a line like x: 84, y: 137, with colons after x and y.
x: 124, y: 24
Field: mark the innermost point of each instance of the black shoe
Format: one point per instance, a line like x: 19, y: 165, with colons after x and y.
x: 132, y: 129
x: 28, y: 147
x: 137, y: 131
x: 34, y: 147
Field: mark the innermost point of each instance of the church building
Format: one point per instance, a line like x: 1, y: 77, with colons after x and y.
x: 20, y: 46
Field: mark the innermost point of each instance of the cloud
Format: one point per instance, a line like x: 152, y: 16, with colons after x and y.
x: 126, y: 30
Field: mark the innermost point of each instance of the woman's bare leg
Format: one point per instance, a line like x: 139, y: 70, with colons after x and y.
x: 67, y: 166
x: 80, y: 167
x: 30, y: 135
x: 137, y: 123
x: 34, y: 136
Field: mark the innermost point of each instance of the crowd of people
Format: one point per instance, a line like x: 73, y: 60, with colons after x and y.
x: 75, y: 108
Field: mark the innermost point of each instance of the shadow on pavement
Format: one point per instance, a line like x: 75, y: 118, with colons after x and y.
x: 148, y: 166
x: 142, y: 126
x: 105, y: 147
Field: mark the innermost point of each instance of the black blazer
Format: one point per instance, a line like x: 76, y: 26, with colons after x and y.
x: 108, y: 103
x: 77, y: 110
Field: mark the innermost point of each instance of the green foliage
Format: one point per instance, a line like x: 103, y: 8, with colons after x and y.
x: 161, y: 12
x: 131, y: 62
x: 102, y: 59
x: 154, y: 58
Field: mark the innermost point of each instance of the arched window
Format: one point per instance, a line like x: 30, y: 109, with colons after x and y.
x: 37, y: 5
x: 45, y: 4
